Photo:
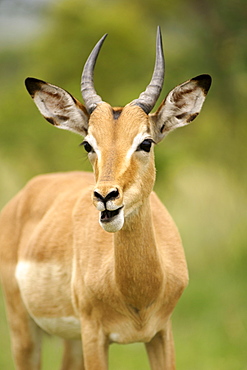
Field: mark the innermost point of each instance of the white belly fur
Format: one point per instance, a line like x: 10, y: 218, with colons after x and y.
x: 64, y: 327
x: 45, y: 289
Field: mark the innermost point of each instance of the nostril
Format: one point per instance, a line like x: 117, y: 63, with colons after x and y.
x: 98, y: 196
x: 112, y: 195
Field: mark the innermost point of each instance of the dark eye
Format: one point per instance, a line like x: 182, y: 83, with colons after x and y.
x: 87, y: 146
x: 145, y: 145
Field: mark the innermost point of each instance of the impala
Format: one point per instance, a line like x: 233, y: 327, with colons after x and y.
x: 97, y: 259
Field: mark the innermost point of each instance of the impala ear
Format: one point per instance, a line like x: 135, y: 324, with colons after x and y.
x: 58, y: 107
x: 181, y: 106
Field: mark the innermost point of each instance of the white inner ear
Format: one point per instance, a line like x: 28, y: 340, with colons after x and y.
x: 59, y: 108
x: 187, y: 98
x: 181, y: 107
x: 52, y: 100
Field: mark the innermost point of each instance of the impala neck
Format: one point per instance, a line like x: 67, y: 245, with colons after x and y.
x: 137, y: 265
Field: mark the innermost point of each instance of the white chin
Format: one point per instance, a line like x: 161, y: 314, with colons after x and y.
x: 115, y: 224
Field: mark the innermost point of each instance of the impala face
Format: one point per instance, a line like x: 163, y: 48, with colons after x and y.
x: 121, y: 153
x: 119, y: 141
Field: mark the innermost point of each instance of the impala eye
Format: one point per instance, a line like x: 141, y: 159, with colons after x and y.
x: 145, y: 145
x: 87, y: 146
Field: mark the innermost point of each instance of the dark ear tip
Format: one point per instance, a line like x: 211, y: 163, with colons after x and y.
x: 33, y: 84
x: 204, y: 81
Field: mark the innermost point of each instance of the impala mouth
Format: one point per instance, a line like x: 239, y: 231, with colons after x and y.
x: 107, y: 216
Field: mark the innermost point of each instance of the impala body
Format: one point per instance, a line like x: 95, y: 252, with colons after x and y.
x: 96, y: 258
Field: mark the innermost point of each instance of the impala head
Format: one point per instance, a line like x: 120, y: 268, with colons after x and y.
x: 120, y: 141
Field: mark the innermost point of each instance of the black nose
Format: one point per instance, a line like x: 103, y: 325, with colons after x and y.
x: 113, y: 194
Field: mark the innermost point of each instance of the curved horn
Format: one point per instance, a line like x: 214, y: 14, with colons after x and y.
x: 148, y: 98
x: 90, y: 97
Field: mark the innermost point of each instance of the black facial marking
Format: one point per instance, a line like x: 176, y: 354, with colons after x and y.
x: 116, y: 112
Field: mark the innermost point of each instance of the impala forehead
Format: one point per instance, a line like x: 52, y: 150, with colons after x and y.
x: 125, y: 133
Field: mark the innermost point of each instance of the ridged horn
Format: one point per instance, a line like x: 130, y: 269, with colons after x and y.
x: 149, y: 97
x: 90, y: 97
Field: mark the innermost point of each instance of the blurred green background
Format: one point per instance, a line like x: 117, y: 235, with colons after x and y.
x: 201, y: 169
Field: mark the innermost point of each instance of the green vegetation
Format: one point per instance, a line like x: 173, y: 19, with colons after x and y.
x: 201, y: 169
